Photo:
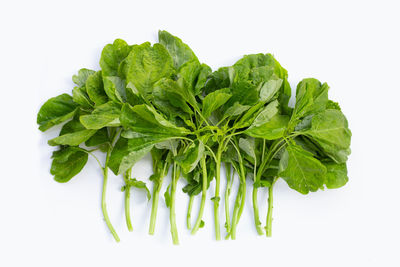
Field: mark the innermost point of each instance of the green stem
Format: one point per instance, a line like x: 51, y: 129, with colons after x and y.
x: 154, y: 208
x: 103, y: 199
x: 189, y: 213
x: 242, y: 200
x: 227, y: 194
x: 268, y: 227
x: 156, y: 196
x: 127, y: 208
x: 235, y: 214
x: 216, y: 195
x: 256, y: 213
x: 127, y: 190
x: 203, y: 196
x: 172, y: 216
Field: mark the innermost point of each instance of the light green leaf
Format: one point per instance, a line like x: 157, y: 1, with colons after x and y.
x: 247, y: 145
x: 115, y: 88
x: 336, y: 175
x: 146, y: 65
x: 112, y: 56
x: 106, y: 115
x: 330, y: 130
x: 140, y: 185
x: 269, y: 89
x: 235, y: 110
x: 266, y: 114
x: 273, y: 129
x: 80, y: 79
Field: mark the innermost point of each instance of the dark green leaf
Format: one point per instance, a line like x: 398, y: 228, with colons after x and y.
x: 80, y: 97
x: 55, y: 111
x: 67, y: 163
x: 95, y: 88
x: 73, y: 133
x: 215, y: 100
x: 99, y: 138
x: 124, y: 155
x: 179, y: 51
x: 145, y: 119
x: 189, y: 159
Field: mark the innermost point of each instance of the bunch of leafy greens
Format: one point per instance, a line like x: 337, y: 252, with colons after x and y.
x: 160, y: 99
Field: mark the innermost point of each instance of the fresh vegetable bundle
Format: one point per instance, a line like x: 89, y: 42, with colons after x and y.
x: 161, y: 100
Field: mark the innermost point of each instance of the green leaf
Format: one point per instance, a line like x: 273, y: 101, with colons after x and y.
x: 112, y: 56
x: 244, y: 92
x: 169, y: 98
x: 99, y: 138
x: 146, y: 120
x: 140, y: 185
x: 330, y: 130
x: 167, y: 196
x: 106, y: 115
x: 124, y: 155
x: 179, y: 51
x: 311, y: 97
x: 247, y: 145
x: 266, y: 114
x: 80, y: 97
x: 301, y: 170
x: 55, y: 111
x: 146, y: 65
x: 269, y: 89
x: 67, y: 163
x: 188, y: 74
x: 259, y: 68
x: 235, y: 110
x: 161, y: 162
x: 204, y: 73
x: 73, y: 133
x: 215, y: 100
x: 273, y: 129
x: 115, y: 88
x: 189, y: 159
x: 222, y: 78
x: 95, y: 88
x: 80, y: 79
x: 336, y: 175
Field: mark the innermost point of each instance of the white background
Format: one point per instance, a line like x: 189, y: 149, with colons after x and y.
x: 352, y: 45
